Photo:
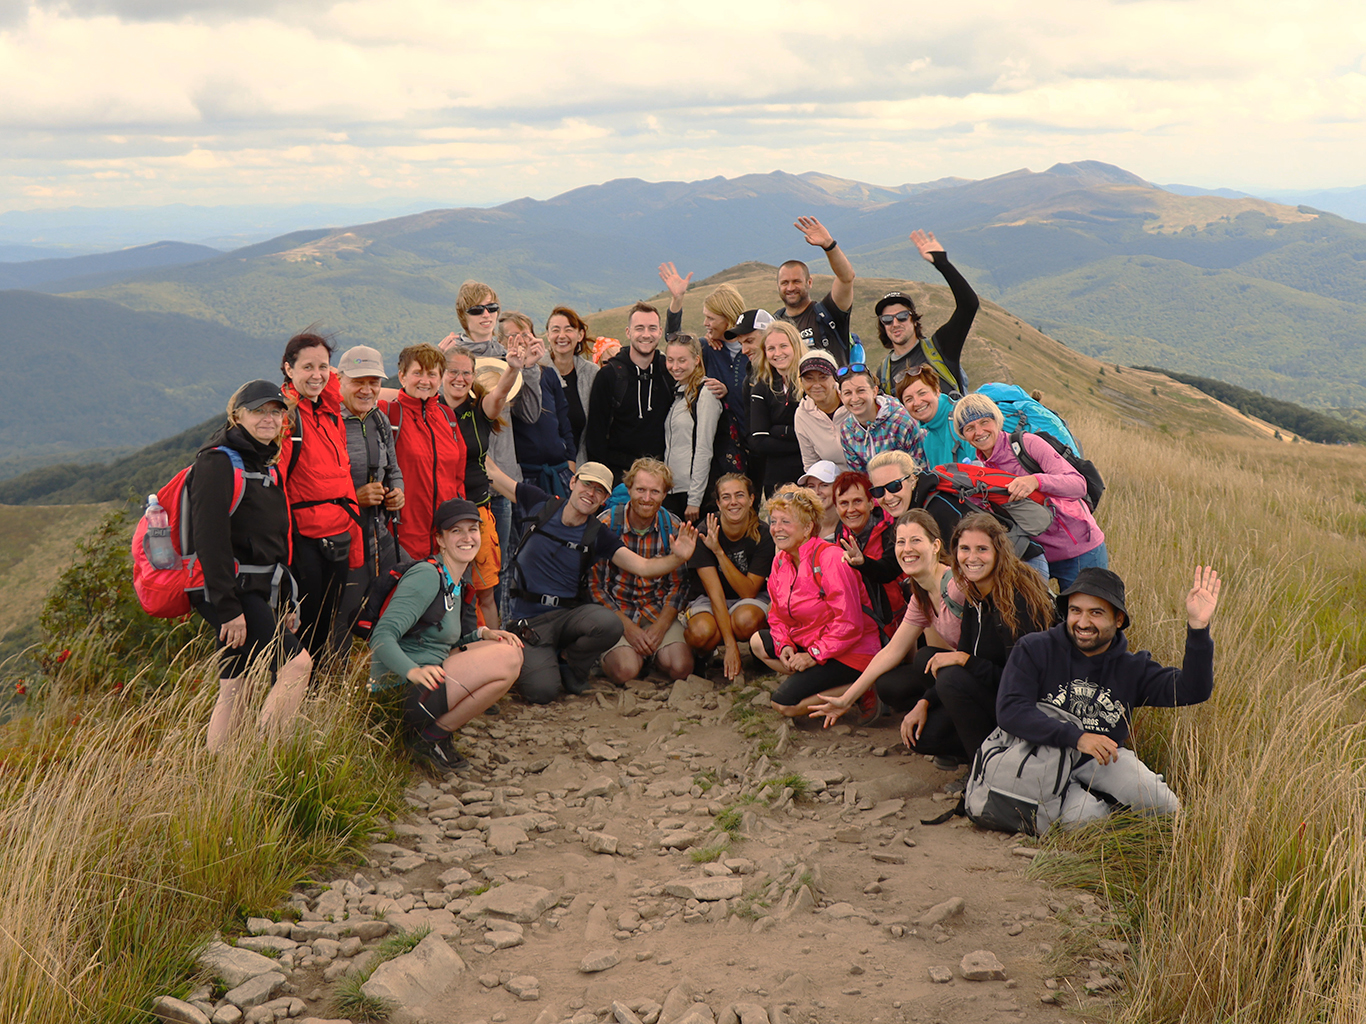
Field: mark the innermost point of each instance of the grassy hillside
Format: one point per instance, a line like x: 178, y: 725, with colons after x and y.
x: 87, y: 372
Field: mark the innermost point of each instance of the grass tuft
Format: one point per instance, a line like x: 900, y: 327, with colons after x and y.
x: 349, y: 1001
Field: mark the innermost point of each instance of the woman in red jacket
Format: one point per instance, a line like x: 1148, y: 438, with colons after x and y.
x: 322, y: 498
x: 817, y: 629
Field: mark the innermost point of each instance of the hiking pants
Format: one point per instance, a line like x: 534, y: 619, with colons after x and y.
x: 901, y: 689
x: 1127, y: 779
x: 578, y: 636
x: 970, y: 702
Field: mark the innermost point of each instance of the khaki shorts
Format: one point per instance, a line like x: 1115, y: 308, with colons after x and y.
x: 702, y: 603
x: 673, y: 636
x: 489, y: 562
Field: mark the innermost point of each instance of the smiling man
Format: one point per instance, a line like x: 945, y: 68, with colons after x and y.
x: 647, y: 608
x: 1084, y: 666
x: 823, y: 324
x: 564, y: 631
x: 631, y: 397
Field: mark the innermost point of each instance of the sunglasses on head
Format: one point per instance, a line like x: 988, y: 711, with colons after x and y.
x: 892, y: 487
x: 844, y: 371
x: 895, y: 318
x: 487, y: 307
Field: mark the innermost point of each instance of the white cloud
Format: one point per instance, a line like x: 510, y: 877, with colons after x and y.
x: 148, y: 100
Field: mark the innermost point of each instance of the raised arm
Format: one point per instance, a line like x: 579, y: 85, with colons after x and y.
x: 951, y: 337
x: 676, y: 284
x: 681, y: 548
x: 495, y: 400
x: 842, y: 291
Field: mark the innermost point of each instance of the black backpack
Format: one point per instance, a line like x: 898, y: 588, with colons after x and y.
x: 1095, y: 486
x: 583, y: 547
x: 381, y: 591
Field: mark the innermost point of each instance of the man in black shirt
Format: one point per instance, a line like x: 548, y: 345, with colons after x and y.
x: 631, y: 397
x: 823, y: 324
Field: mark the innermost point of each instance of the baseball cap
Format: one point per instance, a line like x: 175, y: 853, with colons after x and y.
x: 825, y: 471
x: 750, y: 320
x: 1096, y: 582
x: 457, y: 510
x: 259, y: 392
x: 818, y: 361
x: 892, y: 298
x: 595, y: 473
x: 361, y: 361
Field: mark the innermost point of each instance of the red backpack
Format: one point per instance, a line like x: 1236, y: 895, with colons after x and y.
x: 983, y: 486
x: 164, y: 593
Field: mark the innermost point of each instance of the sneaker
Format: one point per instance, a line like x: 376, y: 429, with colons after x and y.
x: 439, y: 755
x: 571, y: 682
x: 870, y: 708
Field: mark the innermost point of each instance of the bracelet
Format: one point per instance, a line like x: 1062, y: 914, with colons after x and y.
x: 827, y: 248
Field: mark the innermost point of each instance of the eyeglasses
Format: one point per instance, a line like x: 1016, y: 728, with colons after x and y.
x: 895, y: 318
x: 487, y: 307
x: 891, y: 487
x: 844, y: 371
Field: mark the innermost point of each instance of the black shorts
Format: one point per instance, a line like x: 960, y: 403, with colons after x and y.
x: 261, y: 632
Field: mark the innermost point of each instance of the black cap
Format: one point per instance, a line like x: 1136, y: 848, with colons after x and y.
x: 751, y: 320
x: 457, y: 510
x: 259, y: 392
x: 892, y: 299
x: 1101, y: 583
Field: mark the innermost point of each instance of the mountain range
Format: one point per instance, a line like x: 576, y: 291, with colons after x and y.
x: 1262, y: 295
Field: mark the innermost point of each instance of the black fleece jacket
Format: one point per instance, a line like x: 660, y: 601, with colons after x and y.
x: 617, y: 435
x: 257, y: 533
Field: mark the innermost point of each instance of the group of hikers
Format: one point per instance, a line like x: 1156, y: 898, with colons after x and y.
x: 769, y: 492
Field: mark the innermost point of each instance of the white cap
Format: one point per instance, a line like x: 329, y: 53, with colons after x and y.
x: 825, y: 471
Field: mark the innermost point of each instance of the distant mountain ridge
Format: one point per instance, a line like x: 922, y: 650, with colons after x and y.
x: 77, y: 273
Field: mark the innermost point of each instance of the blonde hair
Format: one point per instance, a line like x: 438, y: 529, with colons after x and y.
x: 486, y: 380
x: 801, y: 502
x: 693, y: 384
x: 904, y: 461
x: 725, y: 302
x: 752, y: 527
x: 654, y: 467
x: 472, y: 293
x: 762, y: 371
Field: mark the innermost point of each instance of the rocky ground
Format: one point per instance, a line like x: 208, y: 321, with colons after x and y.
x: 580, y: 873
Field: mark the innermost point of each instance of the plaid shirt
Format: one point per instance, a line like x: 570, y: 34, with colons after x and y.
x: 643, y: 600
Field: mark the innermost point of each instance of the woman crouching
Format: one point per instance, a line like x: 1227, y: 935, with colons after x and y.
x: 817, y: 628
x: 428, y: 635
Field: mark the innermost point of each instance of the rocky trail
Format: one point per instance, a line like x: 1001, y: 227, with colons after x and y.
x: 674, y: 855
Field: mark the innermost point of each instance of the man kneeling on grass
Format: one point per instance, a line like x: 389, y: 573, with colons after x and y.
x: 1083, y: 665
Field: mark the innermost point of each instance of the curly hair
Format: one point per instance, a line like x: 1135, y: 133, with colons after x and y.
x: 800, y: 502
x: 645, y: 464
x: 1009, y: 576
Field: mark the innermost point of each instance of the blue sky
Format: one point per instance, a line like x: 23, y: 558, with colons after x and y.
x: 134, y: 102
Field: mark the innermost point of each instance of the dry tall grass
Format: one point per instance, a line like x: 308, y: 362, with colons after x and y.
x: 124, y: 845
x: 1251, y: 907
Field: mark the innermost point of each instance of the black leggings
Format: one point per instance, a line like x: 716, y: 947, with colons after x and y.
x: 809, y: 681
x: 902, y: 688
x: 261, y: 623
x: 321, y: 580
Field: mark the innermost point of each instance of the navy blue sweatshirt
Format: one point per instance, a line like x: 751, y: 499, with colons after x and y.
x: 548, y: 441
x: 1102, y: 691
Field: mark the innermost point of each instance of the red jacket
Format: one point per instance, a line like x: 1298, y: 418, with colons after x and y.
x: 431, y: 456
x: 318, y: 481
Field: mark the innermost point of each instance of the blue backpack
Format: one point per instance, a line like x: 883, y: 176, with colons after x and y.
x: 1024, y: 413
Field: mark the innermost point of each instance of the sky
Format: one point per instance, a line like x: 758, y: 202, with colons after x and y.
x: 465, y: 102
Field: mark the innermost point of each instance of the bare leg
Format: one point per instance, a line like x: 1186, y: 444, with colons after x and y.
x: 675, y: 660
x: 756, y: 648
x: 746, y: 620
x: 621, y: 664
x: 226, y: 712
x: 282, y: 703
x: 803, y: 706
x: 488, y: 607
x: 476, y: 677
x: 702, y: 633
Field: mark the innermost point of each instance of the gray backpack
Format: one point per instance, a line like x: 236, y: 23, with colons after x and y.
x: 1019, y: 786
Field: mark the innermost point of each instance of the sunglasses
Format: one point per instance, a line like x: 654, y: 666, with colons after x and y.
x: 894, y: 318
x: 487, y: 307
x: 893, y: 487
x: 844, y: 371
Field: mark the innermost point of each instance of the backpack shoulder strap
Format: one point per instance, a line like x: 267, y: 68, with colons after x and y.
x: 1017, y: 446
x: 296, y: 440
x: 949, y: 602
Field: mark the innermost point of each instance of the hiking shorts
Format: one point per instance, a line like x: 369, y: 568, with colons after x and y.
x: 702, y: 605
x: 674, y: 635
x: 488, y: 563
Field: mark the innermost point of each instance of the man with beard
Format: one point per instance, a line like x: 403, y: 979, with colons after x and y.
x: 1084, y: 666
x: 631, y: 397
x: 823, y: 324
x: 647, y: 608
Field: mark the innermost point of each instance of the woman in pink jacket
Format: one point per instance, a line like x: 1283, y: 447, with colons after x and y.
x: 1072, y: 541
x: 817, y: 628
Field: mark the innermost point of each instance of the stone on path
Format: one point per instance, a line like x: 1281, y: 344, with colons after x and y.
x: 951, y: 907
x: 525, y: 987
x: 941, y: 975
x: 603, y: 752
x: 601, y: 842
x: 516, y: 900
x: 678, y: 1001
x: 706, y: 889
x: 504, y: 839
x: 598, y: 785
x: 624, y: 1014
x: 235, y: 966
x: 417, y: 977
x: 255, y: 991
x: 174, y: 1011
x: 982, y: 965
x: 743, y: 1013
x: 598, y: 928
x: 699, y: 1013
x: 686, y: 689
x: 599, y: 960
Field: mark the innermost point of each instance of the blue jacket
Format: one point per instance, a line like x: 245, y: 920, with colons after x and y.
x: 548, y: 440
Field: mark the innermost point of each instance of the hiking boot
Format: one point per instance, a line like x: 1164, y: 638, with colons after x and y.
x: 945, y: 763
x: 571, y: 681
x: 438, y: 755
x: 870, y: 708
